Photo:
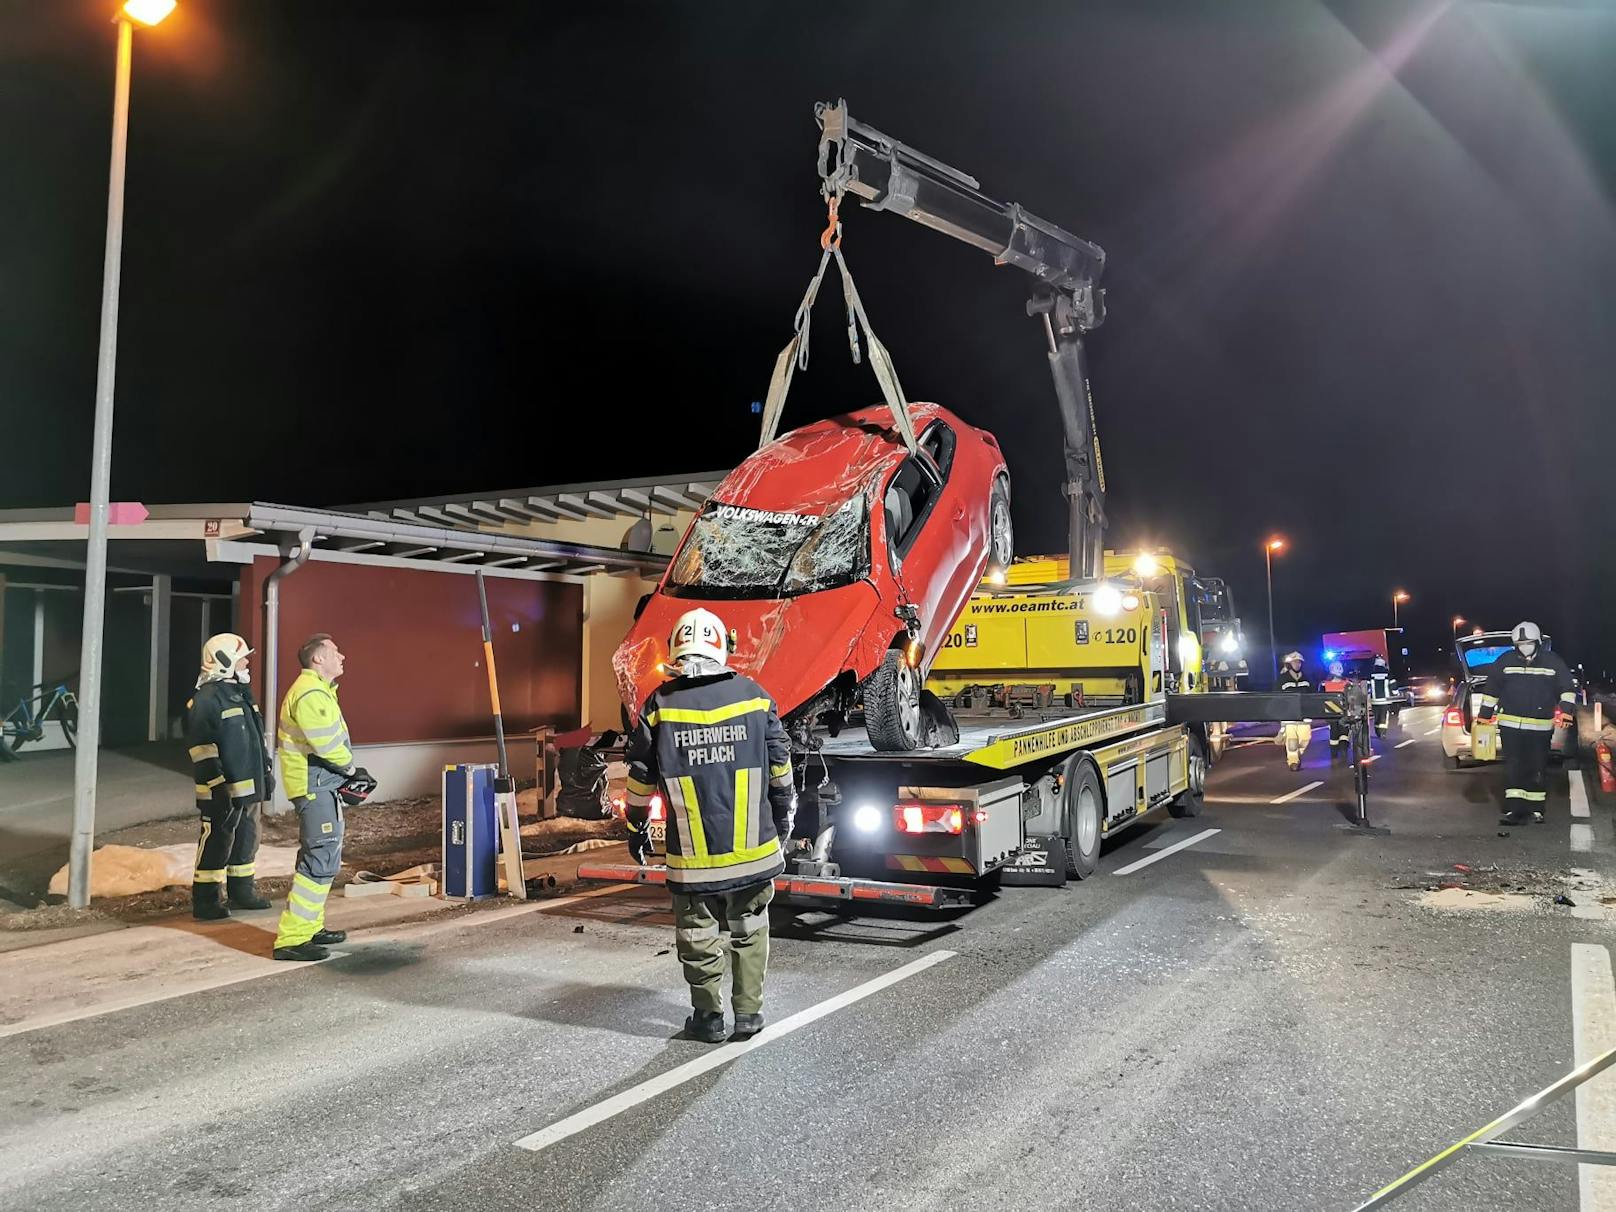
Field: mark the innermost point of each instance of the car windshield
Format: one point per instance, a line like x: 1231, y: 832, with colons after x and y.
x: 736, y: 552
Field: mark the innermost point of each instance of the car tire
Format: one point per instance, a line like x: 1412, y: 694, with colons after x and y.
x: 892, y: 716
x: 1001, y: 533
x: 1192, y: 799
x: 1084, y: 813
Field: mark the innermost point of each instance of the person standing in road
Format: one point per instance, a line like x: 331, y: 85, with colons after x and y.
x: 231, y: 769
x: 1294, y: 734
x: 1336, y: 683
x: 1528, y: 691
x: 710, y: 740
x: 317, y: 764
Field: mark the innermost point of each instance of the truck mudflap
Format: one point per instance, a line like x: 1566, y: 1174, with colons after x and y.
x: 809, y: 888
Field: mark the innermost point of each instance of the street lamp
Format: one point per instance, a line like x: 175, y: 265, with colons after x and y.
x: 145, y: 13
x: 1272, y: 546
x: 1397, y: 596
x: 1458, y: 622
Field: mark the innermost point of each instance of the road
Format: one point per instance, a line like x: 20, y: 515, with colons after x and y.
x: 1265, y: 1018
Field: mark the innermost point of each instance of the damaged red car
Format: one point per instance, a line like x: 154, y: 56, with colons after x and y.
x: 839, y: 560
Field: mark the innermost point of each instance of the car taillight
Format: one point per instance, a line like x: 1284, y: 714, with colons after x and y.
x: 659, y: 809
x: 1453, y: 716
x: 928, y: 818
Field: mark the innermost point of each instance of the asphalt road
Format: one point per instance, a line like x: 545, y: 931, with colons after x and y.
x: 1267, y: 1018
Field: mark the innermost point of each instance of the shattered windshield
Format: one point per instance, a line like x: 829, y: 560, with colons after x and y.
x: 735, y: 552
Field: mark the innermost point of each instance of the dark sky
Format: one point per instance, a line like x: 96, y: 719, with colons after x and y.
x: 1362, y: 264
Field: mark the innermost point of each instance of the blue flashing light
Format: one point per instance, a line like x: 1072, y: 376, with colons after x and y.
x: 757, y: 407
x: 1329, y: 655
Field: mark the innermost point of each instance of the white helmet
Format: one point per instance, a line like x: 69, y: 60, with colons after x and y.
x: 224, y: 657
x: 1337, y: 669
x: 1527, y: 634
x: 1292, y: 658
x: 698, y: 633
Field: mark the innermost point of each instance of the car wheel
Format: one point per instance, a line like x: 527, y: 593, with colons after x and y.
x: 1191, y: 800
x: 1001, y: 534
x: 1085, y: 809
x: 892, y: 714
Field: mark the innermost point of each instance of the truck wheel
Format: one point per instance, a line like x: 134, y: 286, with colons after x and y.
x: 1001, y: 537
x: 1191, y: 800
x: 1085, y: 809
x: 892, y: 715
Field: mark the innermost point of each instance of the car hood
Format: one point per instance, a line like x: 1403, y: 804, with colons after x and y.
x: 792, y: 647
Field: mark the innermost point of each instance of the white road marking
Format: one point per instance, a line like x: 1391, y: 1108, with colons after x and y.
x: 1579, y: 794
x: 635, y: 1095
x: 1593, y: 1027
x: 1582, y: 838
x: 1401, y: 744
x: 1435, y: 730
x: 1165, y: 851
x: 1291, y: 795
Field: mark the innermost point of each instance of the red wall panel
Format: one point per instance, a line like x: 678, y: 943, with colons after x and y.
x: 413, y: 642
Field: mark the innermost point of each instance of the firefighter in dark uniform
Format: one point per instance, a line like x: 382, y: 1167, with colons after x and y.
x: 231, y: 766
x: 1528, y: 691
x: 710, y: 741
x: 1294, y: 734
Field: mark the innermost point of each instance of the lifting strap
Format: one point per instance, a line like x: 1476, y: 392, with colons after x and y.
x: 794, y: 356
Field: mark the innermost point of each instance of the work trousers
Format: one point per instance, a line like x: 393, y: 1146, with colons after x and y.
x: 1295, y: 736
x: 229, y: 841
x: 696, y: 920
x: 1526, y: 759
x: 319, y: 858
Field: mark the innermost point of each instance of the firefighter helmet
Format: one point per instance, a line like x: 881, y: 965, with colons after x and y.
x: 1337, y: 669
x: 698, y: 633
x: 1527, y: 633
x: 1292, y: 658
x: 225, y: 656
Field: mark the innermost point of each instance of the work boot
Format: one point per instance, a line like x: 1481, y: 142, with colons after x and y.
x: 706, y: 1025
x: 330, y: 938
x: 1537, y: 817
x: 303, y: 951
x: 243, y: 893
x: 205, y: 904
x: 747, y: 1025
x: 1516, y: 818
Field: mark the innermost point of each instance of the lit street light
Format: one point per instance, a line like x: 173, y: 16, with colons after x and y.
x: 1269, y: 548
x: 1397, y: 596
x: 145, y: 13
x: 1458, y: 622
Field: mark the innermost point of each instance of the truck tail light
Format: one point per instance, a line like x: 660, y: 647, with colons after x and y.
x: 929, y: 818
x: 1454, y: 717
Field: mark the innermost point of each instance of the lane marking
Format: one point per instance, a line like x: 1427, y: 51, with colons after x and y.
x: 1401, y: 744
x: 635, y: 1095
x: 1579, y: 794
x: 1165, y: 851
x: 1435, y: 730
x: 1593, y: 1027
x: 262, y: 966
x: 1582, y: 838
x: 1291, y: 795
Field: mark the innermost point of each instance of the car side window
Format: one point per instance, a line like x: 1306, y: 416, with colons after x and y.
x: 908, y: 499
x: 938, y: 442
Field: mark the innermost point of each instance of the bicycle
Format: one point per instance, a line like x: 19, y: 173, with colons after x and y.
x: 23, y: 723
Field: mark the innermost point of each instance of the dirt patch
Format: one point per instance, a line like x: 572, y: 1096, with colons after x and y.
x: 1509, y: 888
x: 1465, y: 898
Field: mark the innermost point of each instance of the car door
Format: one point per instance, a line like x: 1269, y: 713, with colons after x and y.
x: 921, y: 541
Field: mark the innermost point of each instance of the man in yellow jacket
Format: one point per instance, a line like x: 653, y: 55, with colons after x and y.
x: 319, y: 775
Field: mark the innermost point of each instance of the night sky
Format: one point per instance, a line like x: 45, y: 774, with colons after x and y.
x: 1361, y: 277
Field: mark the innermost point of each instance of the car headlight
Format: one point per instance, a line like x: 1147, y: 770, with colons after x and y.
x: 1107, y: 599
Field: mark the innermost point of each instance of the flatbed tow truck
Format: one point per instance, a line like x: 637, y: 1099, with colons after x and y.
x: 1070, y: 702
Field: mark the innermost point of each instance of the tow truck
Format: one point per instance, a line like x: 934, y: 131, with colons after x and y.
x: 1071, y: 701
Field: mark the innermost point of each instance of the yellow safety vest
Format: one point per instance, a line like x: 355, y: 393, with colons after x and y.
x: 311, y: 724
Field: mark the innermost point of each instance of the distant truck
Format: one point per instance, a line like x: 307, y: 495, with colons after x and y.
x: 1388, y: 686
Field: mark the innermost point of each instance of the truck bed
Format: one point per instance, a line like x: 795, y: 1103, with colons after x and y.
x: 1000, y: 742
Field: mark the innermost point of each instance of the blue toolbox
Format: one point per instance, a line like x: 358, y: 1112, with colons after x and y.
x: 470, y: 831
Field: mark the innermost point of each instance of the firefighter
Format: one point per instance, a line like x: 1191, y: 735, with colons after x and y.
x: 710, y: 740
x: 1528, y: 692
x: 225, y: 733
x: 1294, y: 734
x: 317, y: 764
x: 1336, y: 683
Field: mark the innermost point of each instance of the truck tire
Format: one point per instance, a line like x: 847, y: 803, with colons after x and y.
x: 1192, y: 799
x: 1084, y: 812
x: 892, y: 715
x: 1001, y: 535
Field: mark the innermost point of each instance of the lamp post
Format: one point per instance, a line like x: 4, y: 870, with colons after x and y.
x: 146, y: 13
x: 1397, y: 596
x: 1458, y: 622
x: 1269, y: 548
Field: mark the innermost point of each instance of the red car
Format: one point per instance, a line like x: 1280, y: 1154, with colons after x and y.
x: 838, y: 561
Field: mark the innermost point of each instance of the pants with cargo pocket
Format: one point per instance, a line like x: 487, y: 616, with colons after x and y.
x: 319, y: 858
x: 229, y: 840
x: 1526, y: 760
x: 697, y: 938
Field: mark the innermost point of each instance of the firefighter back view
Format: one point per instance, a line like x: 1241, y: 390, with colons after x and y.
x: 1528, y: 690
x: 710, y: 741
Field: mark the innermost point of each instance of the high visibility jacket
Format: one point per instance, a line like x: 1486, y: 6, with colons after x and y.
x: 714, y: 747
x: 225, y: 733
x: 1525, y: 693
x: 311, y: 730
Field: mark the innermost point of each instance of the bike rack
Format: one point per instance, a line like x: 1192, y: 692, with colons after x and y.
x: 1486, y: 1139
